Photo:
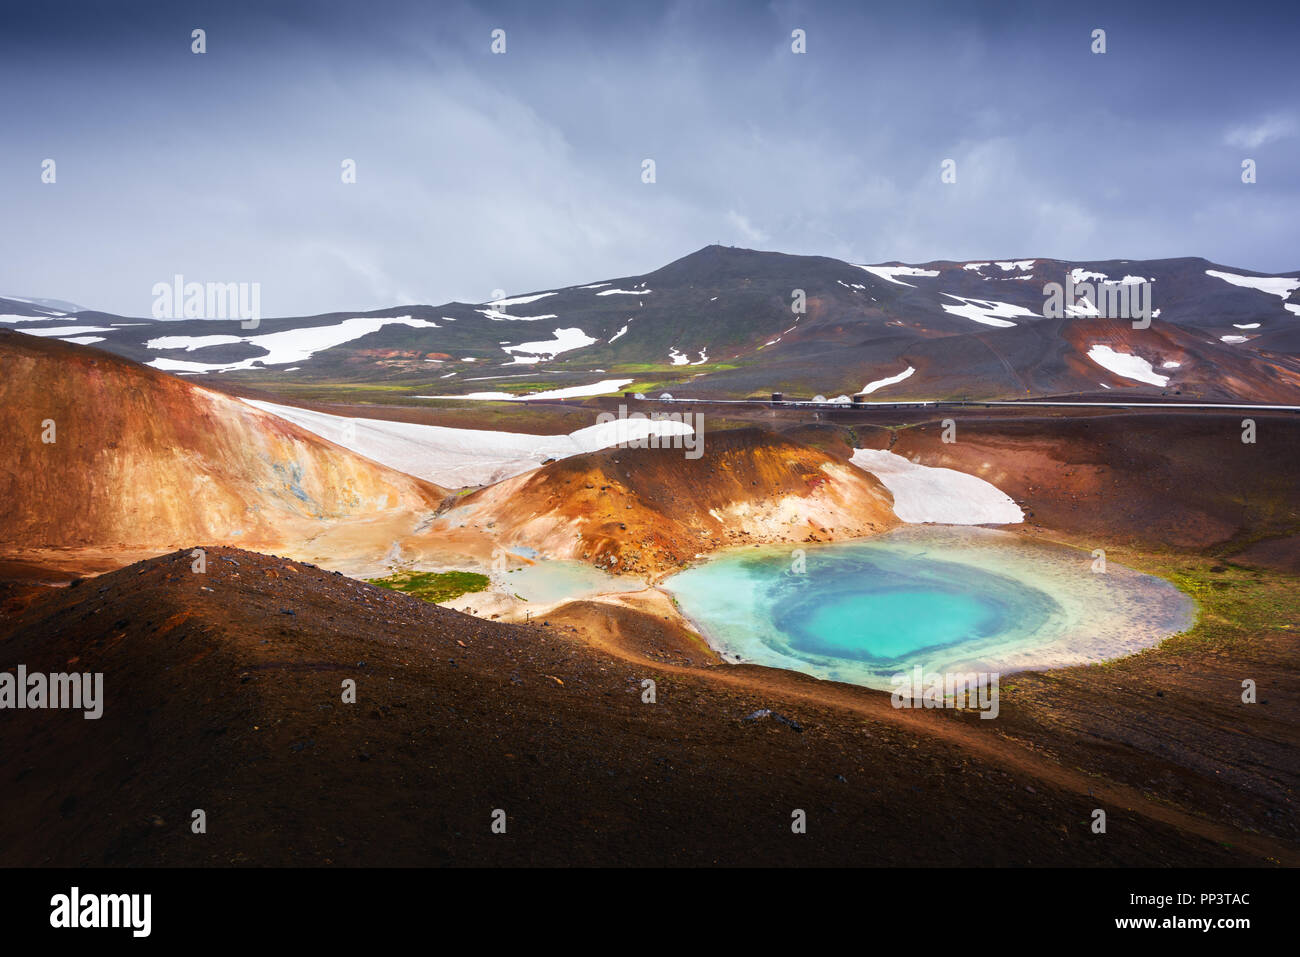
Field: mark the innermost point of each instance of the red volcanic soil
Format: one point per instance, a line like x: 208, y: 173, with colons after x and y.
x: 1147, y: 479
x: 145, y: 460
x: 223, y: 692
x: 1223, y: 372
x: 647, y: 510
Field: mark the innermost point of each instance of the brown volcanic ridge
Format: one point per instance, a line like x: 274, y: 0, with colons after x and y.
x: 651, y: 510
x: 223, y: 692
x: 145, y: 461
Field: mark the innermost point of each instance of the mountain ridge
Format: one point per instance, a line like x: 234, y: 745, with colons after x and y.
x: 724, y: 322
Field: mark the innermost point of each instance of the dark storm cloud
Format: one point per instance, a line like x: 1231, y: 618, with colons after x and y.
x: 522, y: 171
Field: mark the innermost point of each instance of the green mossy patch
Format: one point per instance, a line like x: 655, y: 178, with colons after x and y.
x: 433, y: 586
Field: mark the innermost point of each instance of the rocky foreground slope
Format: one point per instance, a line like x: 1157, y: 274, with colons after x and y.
x: 223, y: 692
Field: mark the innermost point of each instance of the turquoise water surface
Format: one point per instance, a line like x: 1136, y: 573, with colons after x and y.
x: 943, y: 597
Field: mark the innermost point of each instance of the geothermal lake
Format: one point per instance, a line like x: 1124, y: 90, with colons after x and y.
x: 557, y: 580
x: 946, y: 598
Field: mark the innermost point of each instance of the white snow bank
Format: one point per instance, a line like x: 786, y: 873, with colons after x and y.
x: 889, y: 272
x: 84, y: 340
x: 623, y: 292
x: 68, y: 330
x: 1084, y: 307
x: 603, y: 387
x: 458, y: 457
x: 290, y: 347
x: 881, y: 383
x: 986, y: 311
x: 1125, y: 365
x: 518, y: 300
x: 945, y: 496
x: 1277, y: 285
x: 499, y: 316
x: 190, y: 343
x: 563, y: 340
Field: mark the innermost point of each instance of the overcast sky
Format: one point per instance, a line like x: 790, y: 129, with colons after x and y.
x: 523, y: 171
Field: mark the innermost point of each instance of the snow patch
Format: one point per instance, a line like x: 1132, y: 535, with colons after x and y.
x: 1276, y: 285
x: 889, y: 272
x: 881, y: 383
x: 61, y: 331
x: 986, y: 311
x: 190, y: 343
x: 503, y: 317
x: 924, y: 494
x: 458, y: 457
x: 1125, y: 365
x: 292, y: 346
x: 563, y: 340
x: 1083, y: 307
x: 604, y: 387
x: 518, y: 300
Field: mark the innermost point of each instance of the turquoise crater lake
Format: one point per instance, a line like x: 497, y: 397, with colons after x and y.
x: 945, y: 598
